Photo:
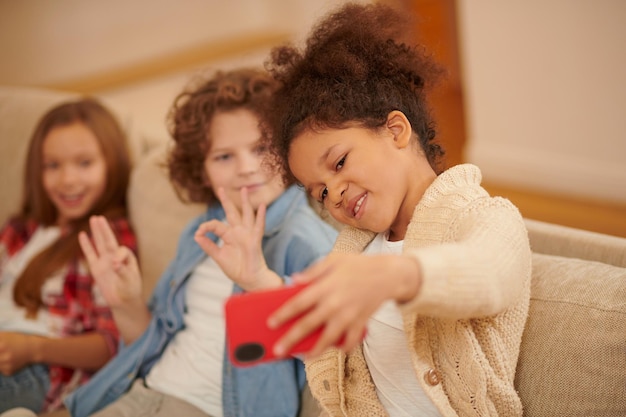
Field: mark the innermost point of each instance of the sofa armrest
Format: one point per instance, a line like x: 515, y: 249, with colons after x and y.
x: 553, y: 239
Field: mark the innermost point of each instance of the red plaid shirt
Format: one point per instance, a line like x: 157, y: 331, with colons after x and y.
x: 79, y: 307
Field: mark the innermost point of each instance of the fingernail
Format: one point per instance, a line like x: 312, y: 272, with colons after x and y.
x: 279, y: 350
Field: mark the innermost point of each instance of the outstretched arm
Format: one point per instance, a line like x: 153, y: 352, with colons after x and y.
x: 116, y: 273
x: 240, y: 254
x: 17, y: 350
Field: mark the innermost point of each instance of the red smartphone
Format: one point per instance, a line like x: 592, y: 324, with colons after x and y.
x: 248, y: 338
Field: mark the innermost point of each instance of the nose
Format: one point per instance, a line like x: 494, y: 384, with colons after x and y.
x: 249, y: 163
x: 68, y: 175
x: 335, y: 193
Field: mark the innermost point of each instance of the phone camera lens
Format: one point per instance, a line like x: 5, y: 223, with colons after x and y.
x: 249, y: 352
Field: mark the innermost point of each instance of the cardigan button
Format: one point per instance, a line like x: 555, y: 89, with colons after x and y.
x: 432, y: 377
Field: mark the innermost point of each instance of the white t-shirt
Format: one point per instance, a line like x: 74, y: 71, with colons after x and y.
x: 12, y: 317
x: 191, y: 365
x: 387, y: 354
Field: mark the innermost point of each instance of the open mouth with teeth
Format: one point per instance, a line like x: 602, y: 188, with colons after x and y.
x: 71, y: 199
x: 357, y: 206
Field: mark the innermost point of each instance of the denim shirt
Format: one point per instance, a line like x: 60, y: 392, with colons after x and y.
x: 294, y: 237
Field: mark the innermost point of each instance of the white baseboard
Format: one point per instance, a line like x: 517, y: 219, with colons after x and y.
x: 549, y: 172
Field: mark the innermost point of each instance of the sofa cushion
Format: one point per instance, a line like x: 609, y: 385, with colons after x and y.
x: 157, y: 215
x: 573, y: 354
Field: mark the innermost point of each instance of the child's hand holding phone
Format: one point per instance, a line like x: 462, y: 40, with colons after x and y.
x: 344, y: 290
x: 250, y: 340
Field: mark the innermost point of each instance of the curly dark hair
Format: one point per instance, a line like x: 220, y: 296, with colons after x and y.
x: 354, y: 70
x: 190, y: 118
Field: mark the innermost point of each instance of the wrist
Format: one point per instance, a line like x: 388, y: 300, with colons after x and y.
x: 410, y: 279
x: 130, y: 308
x: 266, y: 279
x: 36, y: 348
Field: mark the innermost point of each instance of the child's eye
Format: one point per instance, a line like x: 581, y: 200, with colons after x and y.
x: 50, y: 165
x: 85, y: 163
x: 323, y: 195
x: 340, y: 163
x: 222, y: 157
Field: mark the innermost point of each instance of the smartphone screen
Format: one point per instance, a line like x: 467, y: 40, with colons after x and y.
x: 248, y: 338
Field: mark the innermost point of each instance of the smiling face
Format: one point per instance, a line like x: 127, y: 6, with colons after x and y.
x: 74, y: 170
x: 235, y: 157
x: 366, y: 179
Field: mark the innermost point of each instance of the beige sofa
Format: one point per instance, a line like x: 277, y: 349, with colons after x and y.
x: 573, y: 356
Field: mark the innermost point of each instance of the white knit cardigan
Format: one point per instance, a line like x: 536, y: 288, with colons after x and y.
x: 464, y: 328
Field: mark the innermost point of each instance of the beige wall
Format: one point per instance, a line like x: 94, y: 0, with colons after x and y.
x: 544, y: 89
x: 546, y: 95
x: 52, y: 43
x: 47, y: 42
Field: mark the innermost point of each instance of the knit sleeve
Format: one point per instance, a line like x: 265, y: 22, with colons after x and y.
x: 482, y: 266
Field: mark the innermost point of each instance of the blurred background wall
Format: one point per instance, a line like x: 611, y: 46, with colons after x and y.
x: 141, y: 53
x: 536, y: 95
x: 545, y: 93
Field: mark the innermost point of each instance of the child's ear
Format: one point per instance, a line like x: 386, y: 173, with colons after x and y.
x: 400, y: 127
